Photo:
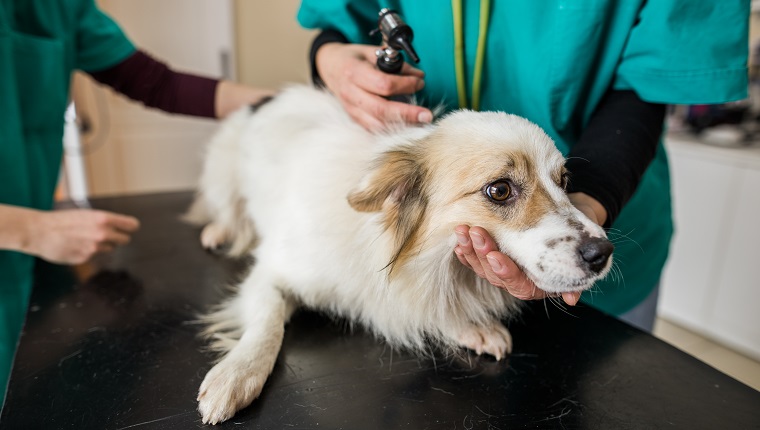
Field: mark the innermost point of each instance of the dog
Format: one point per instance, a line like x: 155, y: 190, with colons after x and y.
x: 361, y: 225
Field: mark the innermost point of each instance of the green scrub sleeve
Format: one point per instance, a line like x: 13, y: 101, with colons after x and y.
x: 687, y: 52
x: 100, y: 42
x: 352, y: 18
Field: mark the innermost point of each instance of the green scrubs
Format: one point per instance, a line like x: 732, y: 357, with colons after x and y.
x: 552, y: 60
x: 41, y: 43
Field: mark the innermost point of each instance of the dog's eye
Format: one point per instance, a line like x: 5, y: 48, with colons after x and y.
x: 499, y: 191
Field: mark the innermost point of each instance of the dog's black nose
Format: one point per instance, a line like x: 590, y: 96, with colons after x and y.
x: 595, y: 251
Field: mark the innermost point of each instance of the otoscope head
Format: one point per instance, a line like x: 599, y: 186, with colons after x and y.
x: 396, y: 33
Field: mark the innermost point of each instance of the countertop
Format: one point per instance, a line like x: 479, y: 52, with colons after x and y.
x: 114, y: 345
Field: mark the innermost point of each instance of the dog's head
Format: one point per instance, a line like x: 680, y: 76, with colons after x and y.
x: 493, y: 170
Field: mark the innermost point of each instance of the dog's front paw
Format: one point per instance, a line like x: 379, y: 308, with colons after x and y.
x: 227, y: 388
x: 493, y: 339
x: 213, y: 237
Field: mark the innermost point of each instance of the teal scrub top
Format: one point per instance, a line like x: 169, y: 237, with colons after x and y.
x: 41, y: 43
x: 552, y: 60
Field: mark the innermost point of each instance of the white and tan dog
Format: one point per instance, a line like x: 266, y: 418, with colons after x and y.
x: 361, y: 225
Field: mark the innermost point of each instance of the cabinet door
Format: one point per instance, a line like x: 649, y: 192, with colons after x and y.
x: 735, y: 316
x: 703, y: 194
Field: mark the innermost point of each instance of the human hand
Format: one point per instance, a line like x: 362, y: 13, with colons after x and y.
x: 477, y: 250
x: 349, y: 72
x: 231, y: 96
x: 73, y: 236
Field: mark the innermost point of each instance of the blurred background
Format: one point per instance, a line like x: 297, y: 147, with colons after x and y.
x: 127, y: 149
x: 711, y: 286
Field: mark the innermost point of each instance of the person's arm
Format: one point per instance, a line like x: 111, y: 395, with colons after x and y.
x: 614, y: 150
x: 145, y: 79
x: 348, y: 70
x: 63, y: 236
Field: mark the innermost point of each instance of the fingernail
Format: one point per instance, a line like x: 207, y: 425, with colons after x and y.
x: 495, y: 265
x: 571, y: 298
x: 462, y: 239
x: 477, y: 240
x: 425, y: 117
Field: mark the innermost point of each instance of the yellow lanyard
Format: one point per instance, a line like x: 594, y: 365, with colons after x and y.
x: 456, y: 8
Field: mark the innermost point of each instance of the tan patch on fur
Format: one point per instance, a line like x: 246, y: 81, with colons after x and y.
x: 536, y: 201
x: 395, y: 186
x: 471, y: 176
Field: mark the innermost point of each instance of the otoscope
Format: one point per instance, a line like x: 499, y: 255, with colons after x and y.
x: 397, y: 37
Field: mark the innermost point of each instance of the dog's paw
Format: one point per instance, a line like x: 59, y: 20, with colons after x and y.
x: 227, y: 388
x: 493, y: 339
x: 213, y: 237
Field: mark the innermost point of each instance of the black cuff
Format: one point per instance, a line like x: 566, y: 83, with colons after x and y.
x: 615, y: 149
x: 326, y: 36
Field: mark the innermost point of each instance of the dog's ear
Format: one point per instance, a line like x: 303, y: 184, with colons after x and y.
x: 395, y: 186
x: 394, y: 176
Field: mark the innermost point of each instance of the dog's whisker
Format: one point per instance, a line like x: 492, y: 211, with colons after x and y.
x: 576, y: 158
x: 546, y: 309
x: 559, y: 304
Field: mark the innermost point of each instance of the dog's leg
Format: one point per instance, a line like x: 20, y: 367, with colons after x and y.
x: 213, y: 236
x: 492, y: 338
x: 238, y: 378
x: 230, y: 229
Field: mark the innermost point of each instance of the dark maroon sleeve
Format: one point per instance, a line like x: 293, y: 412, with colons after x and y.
x: 147, y: 80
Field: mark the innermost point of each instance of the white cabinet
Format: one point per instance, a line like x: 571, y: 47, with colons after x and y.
x: 711, y: 282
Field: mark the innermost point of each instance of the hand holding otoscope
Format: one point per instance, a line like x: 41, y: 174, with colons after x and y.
x: 353, y: 73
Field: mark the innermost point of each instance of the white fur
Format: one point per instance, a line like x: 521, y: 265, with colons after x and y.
x: 289, y: 168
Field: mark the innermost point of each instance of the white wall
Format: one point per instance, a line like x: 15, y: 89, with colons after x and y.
x: 132, y: 149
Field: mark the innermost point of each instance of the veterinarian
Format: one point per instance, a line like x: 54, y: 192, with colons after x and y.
x: 41, y: 43
x: 595, y: 75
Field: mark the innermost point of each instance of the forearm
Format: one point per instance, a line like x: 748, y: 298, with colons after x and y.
x: 147, y: 80
x: 16, y: 230
x: 615, y: 150
x: 153, y: 83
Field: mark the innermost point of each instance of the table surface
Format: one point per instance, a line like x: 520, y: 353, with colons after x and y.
x: 113, y: 345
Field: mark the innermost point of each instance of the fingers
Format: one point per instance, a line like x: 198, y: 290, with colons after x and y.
x: 367, y: 77
x: 571, y: 298
x: 465, y: 251
x: 373, y: 112
x: 349, y: 71
x: 368, y: 106
x: 124, y: 223
x: 112, y: 229
x: 408, y: 69
x: 477, y: 250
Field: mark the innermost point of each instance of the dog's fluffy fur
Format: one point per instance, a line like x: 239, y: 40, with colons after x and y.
x: 361, y: 225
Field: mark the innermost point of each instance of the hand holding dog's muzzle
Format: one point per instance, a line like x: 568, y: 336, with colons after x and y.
x: 477, y: 250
